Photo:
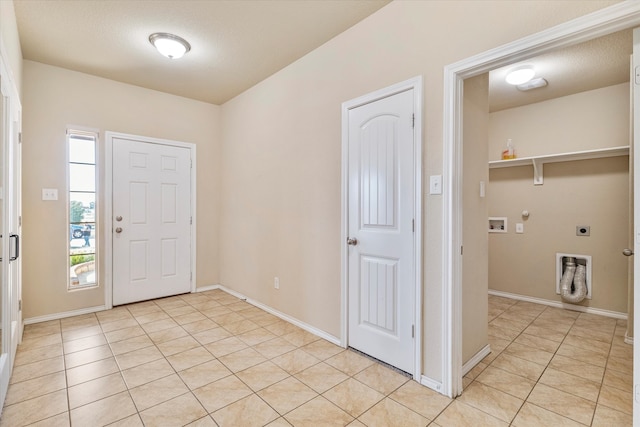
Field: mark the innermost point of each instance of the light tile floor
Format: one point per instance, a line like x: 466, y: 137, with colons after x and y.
x: 211, y: 359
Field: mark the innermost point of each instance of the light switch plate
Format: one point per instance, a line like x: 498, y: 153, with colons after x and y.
x: 519, y: 228
x: 49, y: 194
x: 435, y: 184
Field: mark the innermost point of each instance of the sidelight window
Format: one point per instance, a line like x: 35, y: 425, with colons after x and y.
x: 83, y: 234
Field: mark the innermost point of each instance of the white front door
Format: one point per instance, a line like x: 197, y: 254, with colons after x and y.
x: 151, y: 216
x: 380, y: 228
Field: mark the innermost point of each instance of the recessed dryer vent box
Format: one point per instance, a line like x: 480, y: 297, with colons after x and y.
x: 497, y: 224
x: 580, y: 259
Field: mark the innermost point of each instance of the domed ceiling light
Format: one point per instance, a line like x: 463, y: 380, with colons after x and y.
x: 170, y: 45
x: 520, y: 75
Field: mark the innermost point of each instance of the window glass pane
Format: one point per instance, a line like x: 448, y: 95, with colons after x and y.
x: 82, y: 177
x: 82, y: 211
x: 82, y: 150
x: 82, y: 207
x: 82, y: 238
x: 82, y: 271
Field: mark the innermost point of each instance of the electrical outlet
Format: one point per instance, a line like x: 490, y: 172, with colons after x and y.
x: 276, y: 283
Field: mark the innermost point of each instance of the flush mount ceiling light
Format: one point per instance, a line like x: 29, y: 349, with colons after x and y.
x: 532, y: 84
x: 169, y: 45
x: 520, y: 75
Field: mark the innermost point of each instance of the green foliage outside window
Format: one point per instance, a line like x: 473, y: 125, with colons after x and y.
x: 76, y: 211
x: 79, y: 259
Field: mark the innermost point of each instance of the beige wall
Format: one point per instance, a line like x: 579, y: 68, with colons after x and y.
x: 55, y: 98
x: 475, y: 275
x: 280, y: 173
x: 587, y: 192
x: 282, y: 150
x: 11, y: 42
x: 584, y: 121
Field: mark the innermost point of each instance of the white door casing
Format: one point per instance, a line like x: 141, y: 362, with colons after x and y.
x: 381, y: 202
x: 635, y: 152
x: 151, y: 220
x: 10, y: 226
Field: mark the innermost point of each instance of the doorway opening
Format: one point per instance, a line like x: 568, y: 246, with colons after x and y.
x: 613, y: 19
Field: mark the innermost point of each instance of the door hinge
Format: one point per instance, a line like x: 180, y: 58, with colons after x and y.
x: 461, y: 250
x: 191, y: 163
x: 413, y: 120
x: 413, y: 331
x: 19, y: 305
x: 19, y: 137
x: 191, y: 276
x: 20, y: 221
x: 191, y: 220
x: 413, y: 225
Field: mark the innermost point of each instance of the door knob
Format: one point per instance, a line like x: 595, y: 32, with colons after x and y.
x: 627, y: 252
x: 119, y: 230
x: 118, y: 218
x: 352, y: 241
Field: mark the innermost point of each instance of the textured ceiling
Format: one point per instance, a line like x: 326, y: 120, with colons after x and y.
x: 591, y: 65
x: 234, y: 44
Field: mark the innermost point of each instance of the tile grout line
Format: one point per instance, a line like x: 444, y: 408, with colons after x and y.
x: 601, y: 384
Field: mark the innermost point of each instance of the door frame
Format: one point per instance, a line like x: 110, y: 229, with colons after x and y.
x: 618, y: 17
x: 417, y: 86
x: 10, y: 198
x: 108, y: 205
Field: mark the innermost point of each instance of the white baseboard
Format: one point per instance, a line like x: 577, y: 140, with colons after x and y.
x: 557, y: 304
x: 207, y: 288
x: 475, y: 359
x: 311, y: 329
x: 65, y: 314
x: 432, y: 384
x: 298, y: 323
x: 628, y: 339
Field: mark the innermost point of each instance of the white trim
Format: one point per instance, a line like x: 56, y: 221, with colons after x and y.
x: 207, y: 288
x: 64, y: 314
x: 558, y: 304
x: 430, y: 383
x: 477, y: 358
x: 416, y: 85
x: 285, y: 317
x: 108, y: 205
x: 628, y: 339
x: 617, y: 17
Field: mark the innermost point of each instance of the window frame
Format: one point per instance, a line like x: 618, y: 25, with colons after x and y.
x: 88, y: 133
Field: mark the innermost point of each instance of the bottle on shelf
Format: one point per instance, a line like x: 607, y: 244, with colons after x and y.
x: 510, y: 152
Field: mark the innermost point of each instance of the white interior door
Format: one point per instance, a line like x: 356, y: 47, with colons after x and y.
x: 380, y: 229
x: 151, y: 220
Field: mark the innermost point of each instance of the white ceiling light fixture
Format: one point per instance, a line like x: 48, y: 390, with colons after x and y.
x: 532, y: 84
x: 520, y: 75
x: 170, y: 45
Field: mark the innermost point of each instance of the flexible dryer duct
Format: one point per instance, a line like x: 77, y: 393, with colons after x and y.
x: 576, y: 275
